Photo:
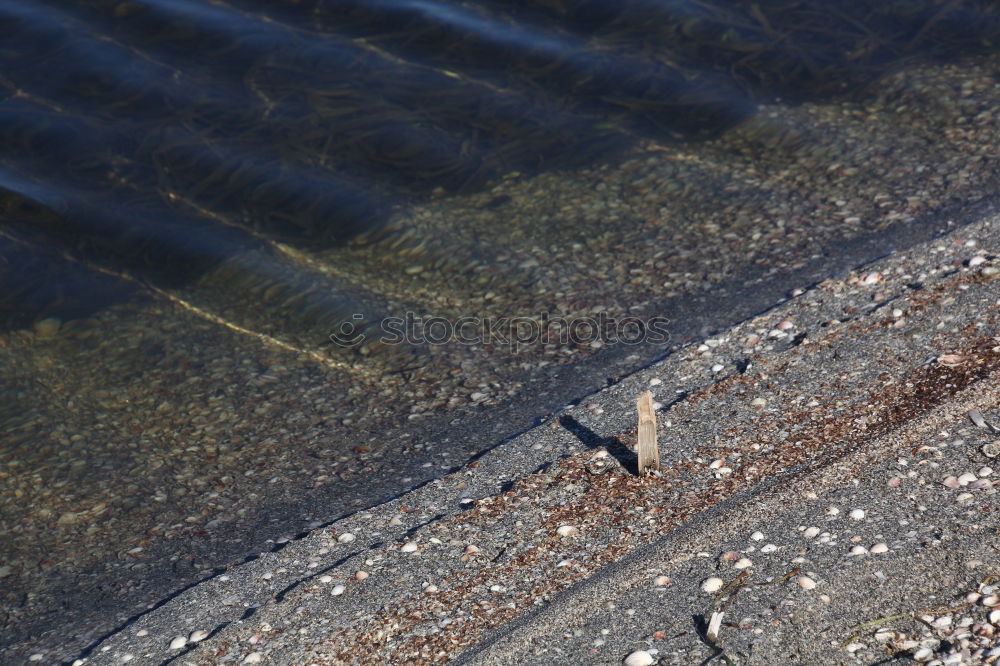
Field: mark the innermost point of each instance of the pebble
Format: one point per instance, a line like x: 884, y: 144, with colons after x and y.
x: 360, y: 575
x: 713, y: 584
x: 639, y: 658
x: 48, y: 327
x: 857, y: 514
x: 253, y: 658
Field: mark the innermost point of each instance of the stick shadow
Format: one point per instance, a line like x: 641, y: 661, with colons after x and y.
x: 592, y: 440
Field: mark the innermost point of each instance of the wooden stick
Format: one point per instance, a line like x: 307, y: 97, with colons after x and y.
x: 649, y: 454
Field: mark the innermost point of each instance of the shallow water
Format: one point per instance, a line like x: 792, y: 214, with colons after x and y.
x: 219, y: 218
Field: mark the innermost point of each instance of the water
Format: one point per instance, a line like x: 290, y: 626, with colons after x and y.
x: 219, y: 219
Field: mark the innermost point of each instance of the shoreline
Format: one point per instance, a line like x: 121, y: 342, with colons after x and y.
x: 186, y: 447
x: 835, y: 493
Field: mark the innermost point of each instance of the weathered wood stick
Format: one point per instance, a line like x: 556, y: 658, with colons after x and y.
x: 649, y: 453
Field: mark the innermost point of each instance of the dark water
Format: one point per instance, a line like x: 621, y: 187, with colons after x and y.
x: 160, y: 138
x: 255, y: 164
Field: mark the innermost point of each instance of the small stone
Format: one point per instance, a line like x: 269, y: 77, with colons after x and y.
x: 758, y: 402
x: 253, y: 658
x: 48, y: 327
x: 567, y: 531
x: 713, y: 584
x: 757, y: 536
x: 806, y: 583
x: 655, y: 382
x: 639, y: 658
x: 857, y: 514
x: 197, y: 636
x: 178, y: 642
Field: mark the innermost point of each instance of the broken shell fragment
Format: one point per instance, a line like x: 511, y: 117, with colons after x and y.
x: 567, y: 531
x: 951, y: 360
x: 806, y: 583
x: 713, y: 584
